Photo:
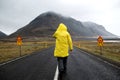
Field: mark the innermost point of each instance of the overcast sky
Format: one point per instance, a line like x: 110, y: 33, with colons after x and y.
x: 15, y: 14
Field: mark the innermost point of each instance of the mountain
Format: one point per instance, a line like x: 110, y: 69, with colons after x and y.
x: 46, y: 24
x: 96, y: 29
x: 2, y: 35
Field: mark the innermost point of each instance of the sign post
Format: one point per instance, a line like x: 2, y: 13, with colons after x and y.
x: 19, y: 43
x: 100, y: 43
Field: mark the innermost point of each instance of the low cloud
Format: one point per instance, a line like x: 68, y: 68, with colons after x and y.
x: 16, y: 14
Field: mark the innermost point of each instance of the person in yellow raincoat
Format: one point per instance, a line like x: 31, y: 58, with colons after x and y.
x: 63, y: 45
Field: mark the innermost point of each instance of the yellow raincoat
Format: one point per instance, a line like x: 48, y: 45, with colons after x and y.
x: 63, y: 41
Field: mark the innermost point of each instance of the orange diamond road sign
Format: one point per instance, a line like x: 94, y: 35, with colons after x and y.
x: 19, y: 40
x: 100, y: 41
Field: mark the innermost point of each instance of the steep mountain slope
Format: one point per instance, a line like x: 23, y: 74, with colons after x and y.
x: 97, y: 29
x: 2, y: 35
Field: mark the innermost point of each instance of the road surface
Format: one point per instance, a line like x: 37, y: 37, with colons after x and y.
x: 42, y: 66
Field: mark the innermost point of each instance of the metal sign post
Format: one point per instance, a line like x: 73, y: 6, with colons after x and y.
x: 20, y: 50
x: 100, y: 50
x: 100, y: 43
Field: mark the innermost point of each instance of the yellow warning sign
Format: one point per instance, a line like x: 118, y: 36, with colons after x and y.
x: 19, y: 40
x: 100, y: 41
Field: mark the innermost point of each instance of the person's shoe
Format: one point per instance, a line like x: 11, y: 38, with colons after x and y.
x: 65, y: 71
x: 61, y: 71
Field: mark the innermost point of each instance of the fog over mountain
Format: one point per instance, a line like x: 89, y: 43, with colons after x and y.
x: 97, y: 29
x: 46, y: 24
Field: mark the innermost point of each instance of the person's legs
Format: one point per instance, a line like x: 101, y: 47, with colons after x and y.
x: 60, y: 64
x: 65, y: 63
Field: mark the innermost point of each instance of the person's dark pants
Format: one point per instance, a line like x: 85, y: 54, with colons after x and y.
x: 62, y: 64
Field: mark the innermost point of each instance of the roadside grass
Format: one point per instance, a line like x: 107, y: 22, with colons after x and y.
x: 110, y: 50
x: 10, y: 50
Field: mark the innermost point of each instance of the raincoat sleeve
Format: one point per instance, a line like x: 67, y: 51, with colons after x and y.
x: 54, y: 35
x: 70, y: 42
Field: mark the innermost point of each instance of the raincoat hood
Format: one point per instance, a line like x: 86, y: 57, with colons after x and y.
x: 61, y: 27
